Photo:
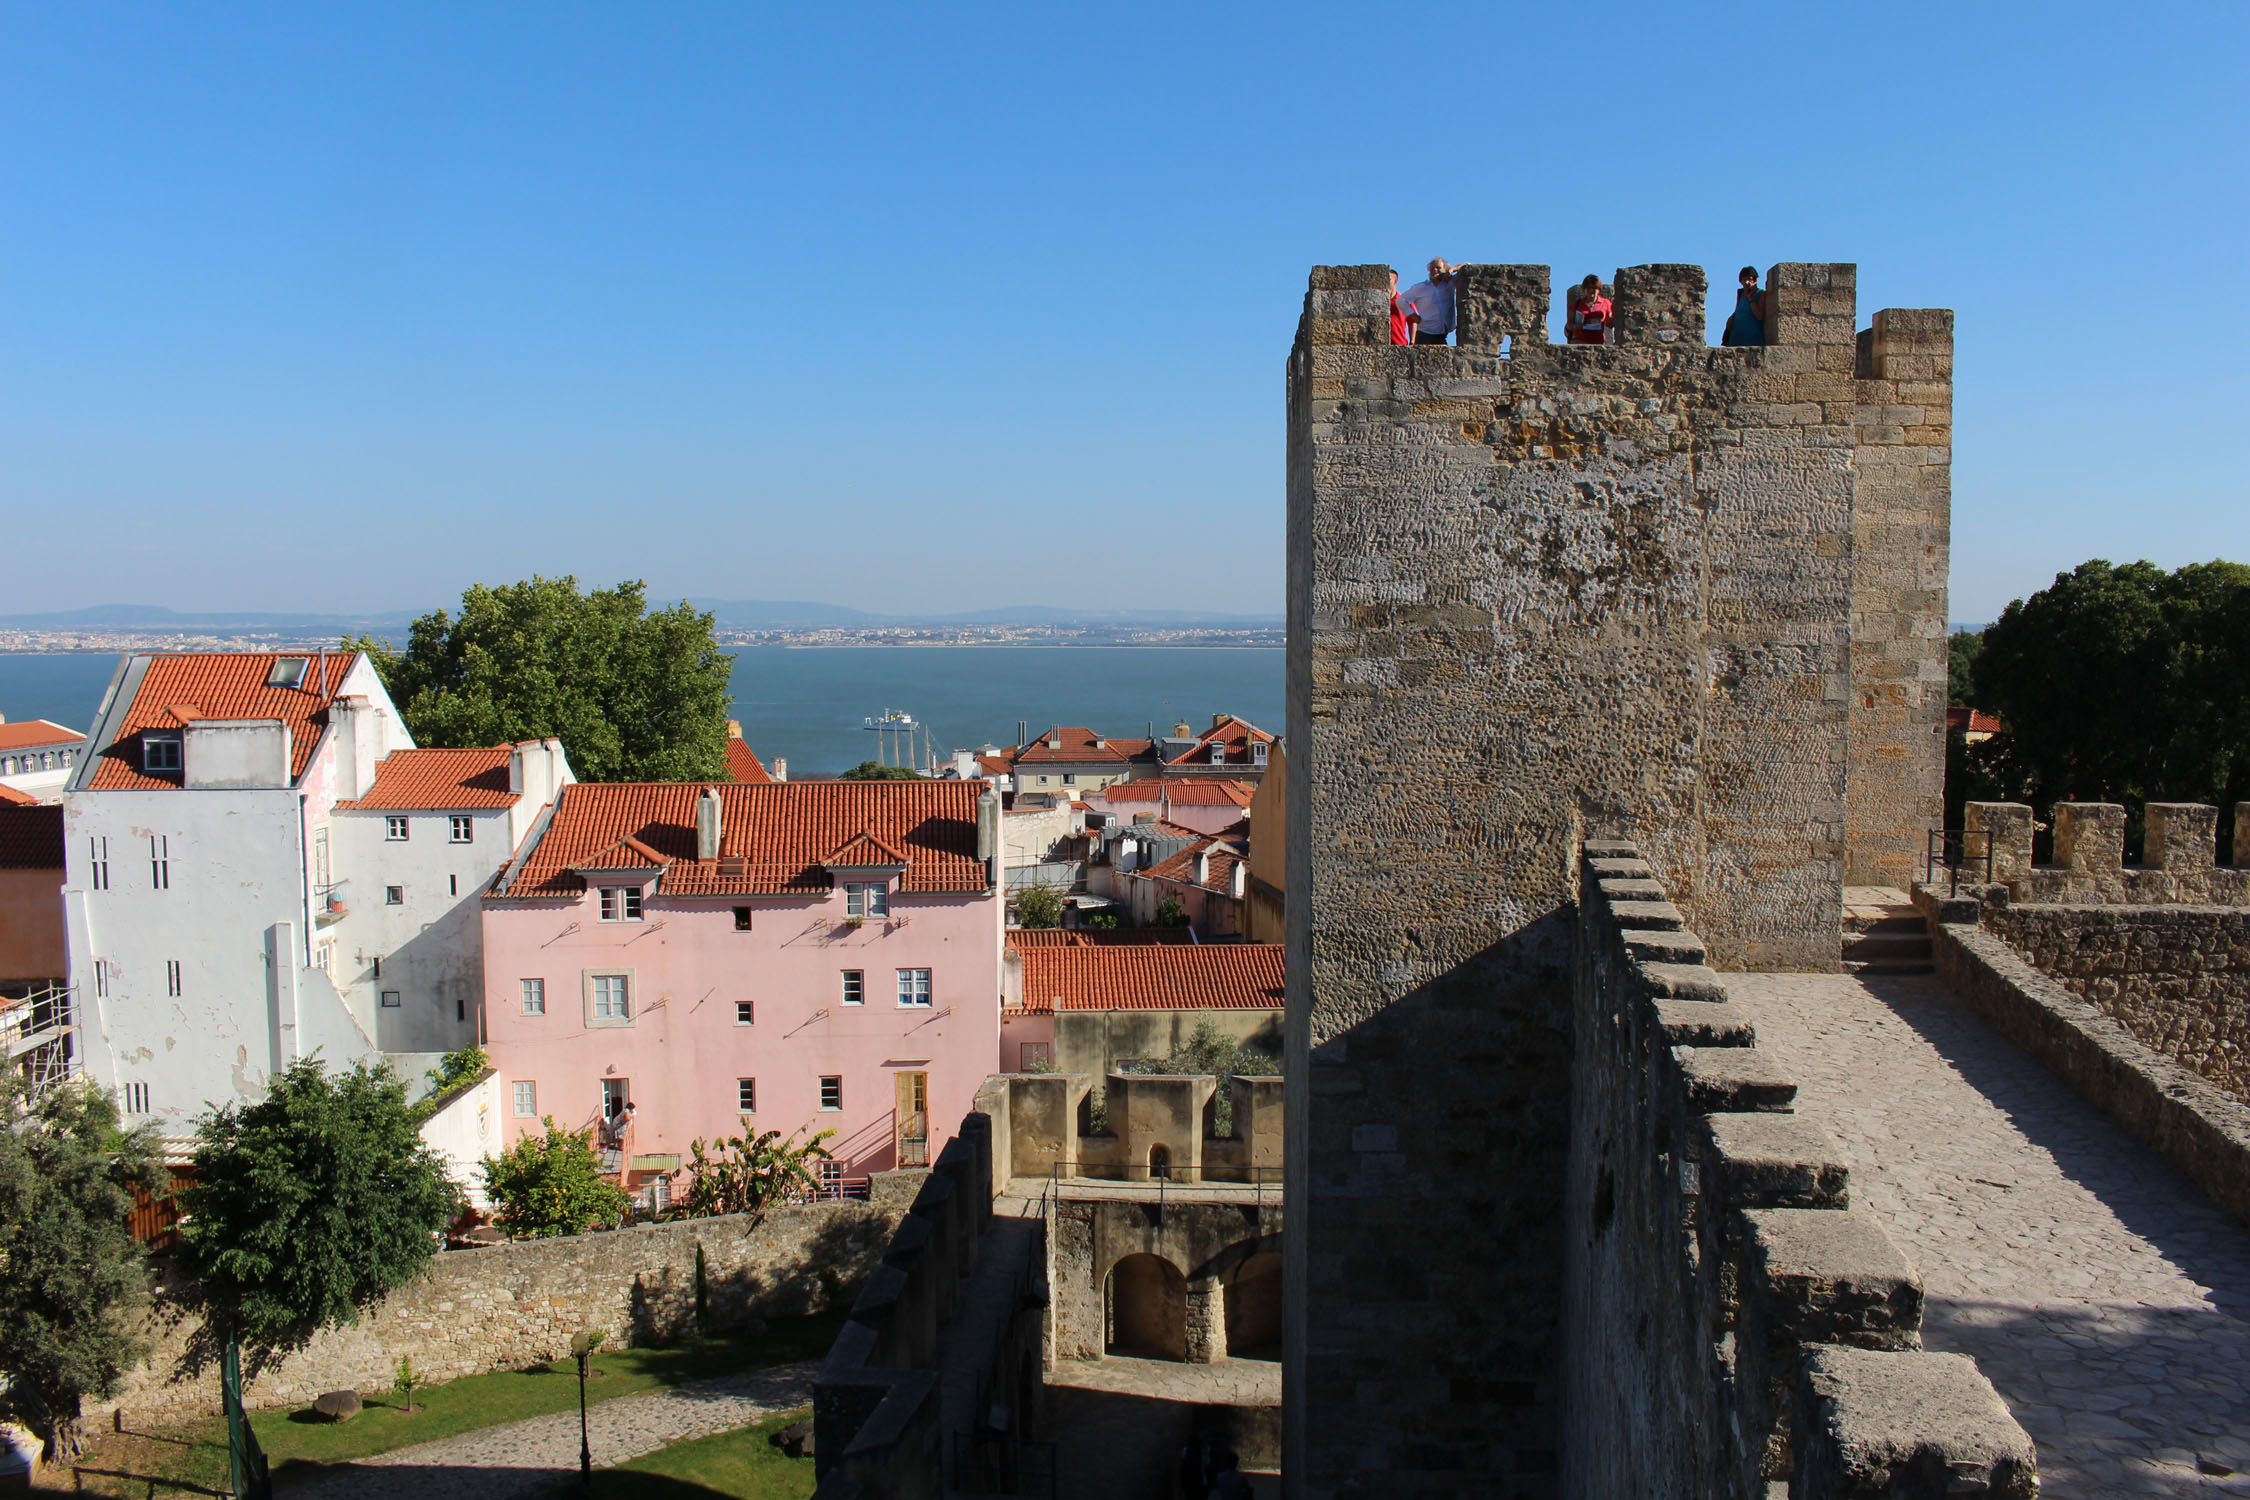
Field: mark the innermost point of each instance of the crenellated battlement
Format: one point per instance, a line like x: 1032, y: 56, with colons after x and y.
x: 2181, y: 866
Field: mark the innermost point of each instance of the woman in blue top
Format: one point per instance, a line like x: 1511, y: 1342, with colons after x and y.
x: 1747, y: 325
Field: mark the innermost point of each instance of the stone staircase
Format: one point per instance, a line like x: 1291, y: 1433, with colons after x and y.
x: 1883, y: 933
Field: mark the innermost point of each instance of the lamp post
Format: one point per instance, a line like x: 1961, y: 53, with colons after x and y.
x: 582, y: 1345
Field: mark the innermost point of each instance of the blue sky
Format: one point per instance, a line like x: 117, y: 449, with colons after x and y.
x: 912, y: 307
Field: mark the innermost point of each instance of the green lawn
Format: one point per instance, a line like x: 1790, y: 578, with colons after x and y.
x: 743, y: 1465
x: 197, y: 1454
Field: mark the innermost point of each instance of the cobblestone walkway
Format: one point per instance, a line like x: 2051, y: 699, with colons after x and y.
x: 2100, y: 1291
x: 529, y: 1457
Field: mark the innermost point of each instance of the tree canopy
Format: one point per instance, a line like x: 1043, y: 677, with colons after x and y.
x: 2115, y: 684
x: 875, y: 770
x: 312, y: 1202
x: 1039, y: 906
x: 552, y: 1184
x: 71, y: 1275
x: 634, y: 695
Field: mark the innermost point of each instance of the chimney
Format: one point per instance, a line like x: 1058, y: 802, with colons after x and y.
x: 988, y: 834
x: 516, y: 777
x: 707, y: 824
x: 1237, y: 879
x: 1180, y: 731
x: 1054, y: 739
x: 734, y: 729
x: 781, y: 768
x: 1217, y: 720
x: 1100, y: 743
x: 1023, y: 731
x: 1202, y: 866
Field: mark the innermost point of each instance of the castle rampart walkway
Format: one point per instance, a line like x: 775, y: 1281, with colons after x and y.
x: 2100, y: 1291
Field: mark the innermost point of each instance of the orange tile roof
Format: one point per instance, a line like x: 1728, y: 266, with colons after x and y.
x: 1218, y: 876
x: 1094, y: 937
x: 9, y: 796
x: 1236, y: 734
x: 1217, y: 792
x: 862, y: 851
x: 742, y: 763
x: 179, y: 689
x: 31, y: 838
x: 34, y: 734
x: 1974, y: 720
x: 1205, y: 976
x: 997, y: 765
x: 1078, y: 748
x: 439, y: 779
x: 776, y: 837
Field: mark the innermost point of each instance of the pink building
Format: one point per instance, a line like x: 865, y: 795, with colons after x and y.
x: 1206, y: 806
x: 731, y: 958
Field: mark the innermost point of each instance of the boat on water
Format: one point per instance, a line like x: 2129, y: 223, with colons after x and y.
x: 890, y: 719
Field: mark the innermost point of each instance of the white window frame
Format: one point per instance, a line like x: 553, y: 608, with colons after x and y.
x: 831, y: 1087
x: 621, y: 903
x: 593, y: 988
x: 160, y: 861
x: 914, y: 989
x: 395, y: 828
x: 746, y: 1096
x: 854, y: 991
x: 160, y: 750
x: 534, y: 996
x: 525, y: 1095
x: 175, y: 982
x: 97, y: 847
x: 863, y: 900
x: 460, y: 829
x: 136, y: 1099
x: 745, y: 1012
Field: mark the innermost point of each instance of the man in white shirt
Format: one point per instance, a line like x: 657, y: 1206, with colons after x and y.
x: 1432, y: 300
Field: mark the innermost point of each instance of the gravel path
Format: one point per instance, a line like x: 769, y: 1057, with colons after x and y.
x: 2099, y: 1290
x: 528, y: 1457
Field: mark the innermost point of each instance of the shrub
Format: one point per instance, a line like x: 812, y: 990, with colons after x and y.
x: 552, y: 1184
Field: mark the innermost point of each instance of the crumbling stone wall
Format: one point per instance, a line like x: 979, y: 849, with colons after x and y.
x: 518, y: 1304
x: 1731, y: 1319
x: 1537, y: 593
x: 2177, y: 978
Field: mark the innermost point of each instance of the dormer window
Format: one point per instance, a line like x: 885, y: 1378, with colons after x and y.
x: 1218, y: 753
x: 1257, y: 752
x: 621, y: 903
x: 286, y: 672
x: 160, y: 750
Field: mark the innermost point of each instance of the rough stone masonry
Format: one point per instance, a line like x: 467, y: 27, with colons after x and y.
x: 1538, y: 593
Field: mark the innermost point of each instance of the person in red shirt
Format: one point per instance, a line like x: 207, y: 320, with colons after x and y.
x: 1404, y: 320
x: 1589, y: 315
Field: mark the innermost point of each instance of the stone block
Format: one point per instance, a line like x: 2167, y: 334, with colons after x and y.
x: 1624, y: 888
x: 2005, y: 829
x: 1831, y: 1276
x: 1697, y: 982
x: 1773, y: 1161
x: 1905, y: 1425
x: 1660, y: 304
x: 1732, y: 1080
x: 2090, y: 838
x: 1699, y: 1023
x: 1495, y: 304
x: 1665, y: 947
x: 2182, y: 837
x: 1648, y: 916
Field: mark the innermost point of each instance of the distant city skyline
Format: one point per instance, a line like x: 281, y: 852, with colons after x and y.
x: 337, y: 309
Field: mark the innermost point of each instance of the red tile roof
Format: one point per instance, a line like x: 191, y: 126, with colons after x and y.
x: 1218, y: 792
x: 998, y: 765
x: 778, y: 837
x: 1236, y: 735
x: 31, y: 838
x: 1974, y: 720
x: 1094, y: 937
x: 177, y: 690
x: 439, y: 779
x: 1206, y: 976
x: 1218, y: 875
x: 36, y: 734
x: 742, y: 763
x: 863, y: 851
x: 10, y: 796
x: 1078, y: 748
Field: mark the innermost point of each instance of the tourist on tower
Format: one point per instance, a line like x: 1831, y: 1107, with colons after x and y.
x: 1432, y: 302
x: 1747, y: 325
x: 1403, y: 319
x: 1589, y: 313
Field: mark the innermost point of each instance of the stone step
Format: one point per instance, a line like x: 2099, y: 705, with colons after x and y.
x: 1884, y: 933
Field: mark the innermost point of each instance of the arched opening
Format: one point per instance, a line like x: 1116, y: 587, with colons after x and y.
x: 1148, y: 1308
x: 1254, y: 1308
x: 1159, y: 1162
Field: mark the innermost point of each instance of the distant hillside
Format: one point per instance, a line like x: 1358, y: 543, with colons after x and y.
x: 732, y: 614
x: 154, y: 617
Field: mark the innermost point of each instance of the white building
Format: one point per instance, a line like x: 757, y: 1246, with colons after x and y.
x: 229, y: 873
x: 37, y: 756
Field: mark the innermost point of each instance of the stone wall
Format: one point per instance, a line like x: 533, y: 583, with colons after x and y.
x: 2202, y: 1129
x: 1539, y: 593
x: 1210, y: 1244
x: 518, y: 1304
x: 2180, y: 864
x: 2177, y: 978
x: 1730, y: 1319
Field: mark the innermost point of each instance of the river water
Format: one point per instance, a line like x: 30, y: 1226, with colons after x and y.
x: 807, y: 704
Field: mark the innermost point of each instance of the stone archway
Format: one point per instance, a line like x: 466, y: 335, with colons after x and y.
x: 1147, y: 1308
x: 1253, y: 1303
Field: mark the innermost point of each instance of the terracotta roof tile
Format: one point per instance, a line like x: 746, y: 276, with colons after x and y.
x: 743, y: 764
x: 775, y: 837
x: 1078, y: 748
x: 1094, y: 937
x: 439, y: 779
x: 1218, y: 875
x: 1974, y: 720
x: 1207, y: 976
x: 36, y: 734
x: 178, y: 689
x: 862, y: 851
x: 1181, y: 792
x: 9, y: 796
x: 31, y: 838
x: 1237, y: 735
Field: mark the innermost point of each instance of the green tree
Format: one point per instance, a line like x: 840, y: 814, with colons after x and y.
x: 552, y: 1184
x: 742, y: 1174
x: 1961, y: 652
x: 870, y: 770
x: 455, y: 1069
x: 1169, y: 913
x: 311, y: 1203
x: 1038, y: 906
x: 71, y: 1276
x: 633, y: 695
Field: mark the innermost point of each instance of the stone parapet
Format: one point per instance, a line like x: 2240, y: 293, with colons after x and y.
x: 1706, y: 1213
x: 2181, y: 839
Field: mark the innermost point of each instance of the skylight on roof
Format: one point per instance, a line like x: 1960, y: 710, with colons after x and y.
x: 287, y: 671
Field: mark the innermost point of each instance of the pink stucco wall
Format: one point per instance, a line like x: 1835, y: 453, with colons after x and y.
x: 684, y: 1050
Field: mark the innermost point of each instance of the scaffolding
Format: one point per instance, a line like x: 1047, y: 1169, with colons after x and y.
x: 38, y: 1023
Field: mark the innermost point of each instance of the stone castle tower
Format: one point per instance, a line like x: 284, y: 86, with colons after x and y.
x: 1692, y: 597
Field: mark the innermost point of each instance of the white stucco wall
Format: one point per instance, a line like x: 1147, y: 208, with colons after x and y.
x: 466, y: 1131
